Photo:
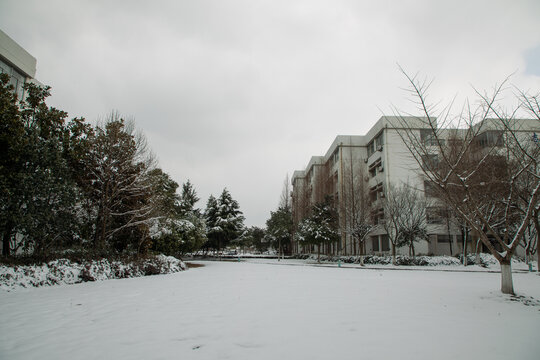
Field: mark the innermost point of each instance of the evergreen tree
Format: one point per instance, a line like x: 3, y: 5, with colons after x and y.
x: 224, y: 220
x: 279, y: 229
x: 176, y: 230
x: 321, y: 228
x: 120, y: 186
x: 188, y: 199
x: 230, y: 218
x: 211, y: 218
x: 12, y: 144
x: 256, y: 238
x: 38, y: 192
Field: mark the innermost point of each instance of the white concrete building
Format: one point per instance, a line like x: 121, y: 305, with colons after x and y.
x: 376, y: 160
x: 17, y: 63
x: 338, y: 174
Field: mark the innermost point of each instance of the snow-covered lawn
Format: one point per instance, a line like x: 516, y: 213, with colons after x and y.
x: 230, y: 310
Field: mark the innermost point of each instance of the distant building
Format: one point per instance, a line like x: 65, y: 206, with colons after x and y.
x: 17, y: 63
x: 357, y: 171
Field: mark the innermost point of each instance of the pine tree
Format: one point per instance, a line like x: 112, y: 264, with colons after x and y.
x: 224, y: 220
x: 279, y: 228
x: 321, y: 228
x: 230, y: 218
x: 176, y: 229
x: 188, y: 198
x: 211, y: 218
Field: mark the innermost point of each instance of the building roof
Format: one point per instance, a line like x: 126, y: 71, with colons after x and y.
x: 16, y: 56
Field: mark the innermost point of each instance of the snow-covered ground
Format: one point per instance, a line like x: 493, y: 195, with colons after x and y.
x: 242, y: 310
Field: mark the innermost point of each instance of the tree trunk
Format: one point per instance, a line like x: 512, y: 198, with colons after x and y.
x: 537, y: 227
x: 507, y: 286
x: 319, y: 253
x: 465, y: 242
x: 393, y: 254
x: 477, y: 260
x: 6, y: 240
x: 361, y: 249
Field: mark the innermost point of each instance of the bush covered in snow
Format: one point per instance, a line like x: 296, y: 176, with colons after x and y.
x: 64, y: 271
x: 485, y: 260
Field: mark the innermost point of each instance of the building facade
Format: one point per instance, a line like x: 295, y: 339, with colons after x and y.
x: 17, y: 63
x: 357, y: 172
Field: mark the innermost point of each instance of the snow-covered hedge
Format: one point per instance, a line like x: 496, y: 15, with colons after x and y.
x: 486, y: 260
x: 64, y: 271
x: 386, y: 260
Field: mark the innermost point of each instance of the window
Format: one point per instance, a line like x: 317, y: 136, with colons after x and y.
x: 443, y: 239
x: 432, y: 217
x: 379, y: 141
x: 490, y: 138
x: 429, y: 137
x: 370, y: 148
x: 377, y: 216
x: 430, y: 162
x: 375, y: 167
x: 375, y: 243
x: 376, y: 192
x: 375, y: 144
x: 430, y: 189
x: 436, y: 215
x: 385, y: 244
x: 335, y: 156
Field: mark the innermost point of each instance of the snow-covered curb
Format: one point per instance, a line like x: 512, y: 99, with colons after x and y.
x: 64, y: 271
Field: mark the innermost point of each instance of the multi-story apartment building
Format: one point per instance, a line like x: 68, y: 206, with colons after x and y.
x: 17, y: 63
x: 360, y: 169
x: 338, y: 175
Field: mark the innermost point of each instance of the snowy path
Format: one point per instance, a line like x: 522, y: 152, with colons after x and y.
x: 258, y: 311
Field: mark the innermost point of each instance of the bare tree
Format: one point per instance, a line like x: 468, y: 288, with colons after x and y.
x: 279, y: 227
x: 490, y: 176
x: 530, y: 240
x: 354, y: 209
x: 404, y: 217
x: 285, y: 199
x: 301, y: 206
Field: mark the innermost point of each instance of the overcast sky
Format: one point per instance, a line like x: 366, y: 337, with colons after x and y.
x: 239, y: 94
